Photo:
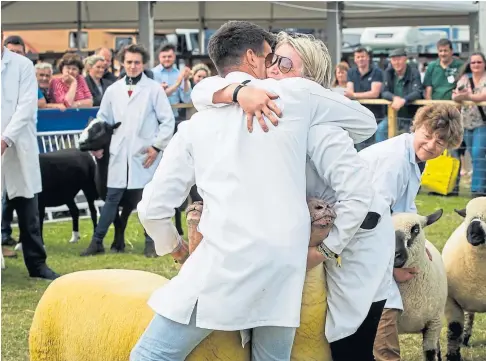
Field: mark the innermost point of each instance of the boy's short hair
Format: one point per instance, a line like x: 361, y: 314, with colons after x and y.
x: 444, y: 120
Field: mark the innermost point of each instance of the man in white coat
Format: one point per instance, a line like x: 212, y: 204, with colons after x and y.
x: 21, y: 177
x: 396, y: 165
x: 147, y: 125
x: 249, y: 270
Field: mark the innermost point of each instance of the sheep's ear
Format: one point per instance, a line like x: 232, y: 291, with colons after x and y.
x: 461, y: 212
x: 116, y: 125
x: 434, y: 217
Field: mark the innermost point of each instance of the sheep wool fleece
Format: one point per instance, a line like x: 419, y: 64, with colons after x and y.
x: 99, y: 315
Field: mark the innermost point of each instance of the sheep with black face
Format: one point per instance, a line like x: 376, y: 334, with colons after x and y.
x: 424, y: 296
x: 464, y: 257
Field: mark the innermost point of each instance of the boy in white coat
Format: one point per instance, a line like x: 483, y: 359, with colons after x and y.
x: 147, y: 125
x: 396, y: 168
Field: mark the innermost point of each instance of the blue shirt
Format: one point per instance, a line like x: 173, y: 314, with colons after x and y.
x: 170, y: 76
x: 39, y: 94
x: 362, y: 83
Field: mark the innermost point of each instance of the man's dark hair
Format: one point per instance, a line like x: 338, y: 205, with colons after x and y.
x: 137, y: 49
x: 167, y: 47
x: 231, y: 41
x: 361, y: 50
x: 14, y: 40
x: 444, y: 42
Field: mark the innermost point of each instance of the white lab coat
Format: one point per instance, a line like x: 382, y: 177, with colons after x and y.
x: 396, y: 176
x: 249, y: 269
x: 147, y: 119
x: 21, y: 175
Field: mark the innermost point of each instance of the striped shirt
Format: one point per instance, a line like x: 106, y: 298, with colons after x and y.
x: 58, y: 90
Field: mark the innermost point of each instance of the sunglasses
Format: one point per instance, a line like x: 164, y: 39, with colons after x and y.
x: 284, y: 64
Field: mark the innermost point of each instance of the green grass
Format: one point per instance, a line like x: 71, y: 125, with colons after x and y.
x: 20, y: 294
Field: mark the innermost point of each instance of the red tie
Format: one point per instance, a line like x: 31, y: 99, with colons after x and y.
x: 130, y: 93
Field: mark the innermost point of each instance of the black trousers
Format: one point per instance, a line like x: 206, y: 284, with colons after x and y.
x: 359, y: 346
x: 30, y: 235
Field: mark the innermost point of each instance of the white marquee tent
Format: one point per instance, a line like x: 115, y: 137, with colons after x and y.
x: 25, y: 15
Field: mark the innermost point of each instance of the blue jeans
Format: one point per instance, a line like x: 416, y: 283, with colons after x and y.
x: 7, y: 218
x: 108, y: 214
x: 475, y: 140
x: 166, y: 340
x: 382, y: 131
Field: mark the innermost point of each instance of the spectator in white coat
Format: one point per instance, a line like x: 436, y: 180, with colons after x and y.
x: 147, y: 125
x: 21, y: 177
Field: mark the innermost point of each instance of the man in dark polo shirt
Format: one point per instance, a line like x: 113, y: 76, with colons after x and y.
x: 401, y: 86
x: 364, y: 82
x: 440, y: 81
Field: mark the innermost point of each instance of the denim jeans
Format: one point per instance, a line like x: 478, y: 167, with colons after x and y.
x: 7, y: 218
x: 475, y: 140
x: 166, y: 340
x: 382, y: 131
x: 108, y: 214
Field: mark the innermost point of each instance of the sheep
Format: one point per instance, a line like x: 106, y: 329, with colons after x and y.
x: 99, y: 315
x: 424, y: 296
x: 464, y: 256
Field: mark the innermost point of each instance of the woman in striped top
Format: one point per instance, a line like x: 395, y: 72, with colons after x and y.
x: 70, y: 89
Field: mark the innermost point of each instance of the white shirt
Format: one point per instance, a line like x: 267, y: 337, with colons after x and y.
x: 396, y: 176
x: 255, y: 221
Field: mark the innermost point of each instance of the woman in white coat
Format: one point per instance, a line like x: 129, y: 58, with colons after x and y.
x: 147, y: 125
x: 356, y: 291
x: 396, y: 168
x: 21, y: 177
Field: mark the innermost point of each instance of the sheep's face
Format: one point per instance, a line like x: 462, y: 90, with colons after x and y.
x: 475, y: 218
x: 410, y: 237
x: 97, y: 135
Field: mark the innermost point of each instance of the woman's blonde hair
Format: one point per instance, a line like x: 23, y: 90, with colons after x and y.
x: 90, y: 61
x: 445, y: 120
x: 343, y: 66
x: 200, y: 66
x: 316, y: 60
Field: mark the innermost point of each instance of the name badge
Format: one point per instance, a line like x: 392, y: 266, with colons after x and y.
x: 450, y: 79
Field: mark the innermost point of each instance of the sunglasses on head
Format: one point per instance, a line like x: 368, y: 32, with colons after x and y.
x: 284, y: 64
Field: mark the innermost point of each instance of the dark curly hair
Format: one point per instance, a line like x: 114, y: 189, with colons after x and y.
x: 71, y: 59
x: 136, y: 49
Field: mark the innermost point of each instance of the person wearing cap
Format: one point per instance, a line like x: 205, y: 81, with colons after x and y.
x: 401, y: 86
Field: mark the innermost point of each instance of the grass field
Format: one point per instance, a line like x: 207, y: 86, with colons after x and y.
x: 21, y: 294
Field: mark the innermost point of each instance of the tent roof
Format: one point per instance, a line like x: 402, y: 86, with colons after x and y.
x: 33, y: 15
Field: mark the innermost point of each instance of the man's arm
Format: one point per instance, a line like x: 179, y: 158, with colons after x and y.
x: 165, y: 116
x: 417, y: 88
x: 166, y: 191
x: 332, y: 154
x: 26, y: 109
x: 105, y: 112
x: 376, y: 85
x: 387, y: 92
x: 427, y: 84
x: 185, y: 91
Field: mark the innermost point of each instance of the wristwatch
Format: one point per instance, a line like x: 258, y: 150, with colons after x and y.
x: 328, y: 254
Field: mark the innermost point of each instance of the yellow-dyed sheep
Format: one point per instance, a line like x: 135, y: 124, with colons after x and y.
x: 464, y: 257
x: 100, y: 315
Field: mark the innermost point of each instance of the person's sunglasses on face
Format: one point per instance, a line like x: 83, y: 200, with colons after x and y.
x: 284, y: 64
